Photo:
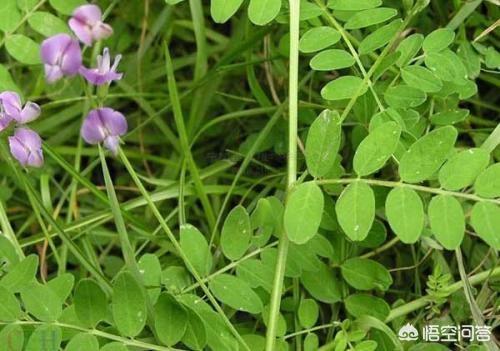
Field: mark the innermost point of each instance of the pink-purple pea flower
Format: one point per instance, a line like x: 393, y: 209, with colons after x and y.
x: 26, y: 147
x: 87, y: 24
x: 104, y: 125
x: 104, y: 73
x: 61, y: 56
x: 12, y: 108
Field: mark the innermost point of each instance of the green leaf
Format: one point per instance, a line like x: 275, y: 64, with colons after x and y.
x: 370, y: 17
x: 170, y: 320
x: 344, y: 88
x: 12, y: 338
x: 438, y: 40
x: 376, y: 148
x: 322, y: 144
x: 404, y: 96
x: 405, y: 213
x: 256, y: 274
x: 223, y: 10
x: 236, y: 233
x: 323, y: 284
x: 332, y: 59
x: 47, y: 24
x: 349, y: 5
x: 318, y: 38
x: 175, y: 278
x: 367, y: 345
x: 195, y: 246
x: 10, y: 16
x: 62, y: 285
x: 6, y: 81
x: 421, y: 78
x: 449, y: 117
x: 355, y: 210
x: 150, y: 269
x: 83, y: 342
x: 90, y: 302
x: 8, y: 255
x: 447, y: 221
x: 311, y: 342
x: 21, y: 275
x: 128, y: 305
x: 376, y: 236
x: 447, y: 66
x: 379, y: 38
x: 261, y: 12
x: 236, y: 293
x: 40, y: 301
x: 485, y: 219
x: 26, y: 5
x: 303, y: 212
x: 488, y: 182
x: 432, y: 346
x: 23, y: 49
x: 195, y: 336
x: 308, y: 11
x: 219, y: 337
x: 408, y: 48
x: 114, y: 346
x: 366, y: 305
x: 45, y: 338
x: 366, y: 274
x: 9, y: 308
x: 427, y: 154
x: 462, y: 169
x: 308, y: 313
x: 66, y: 7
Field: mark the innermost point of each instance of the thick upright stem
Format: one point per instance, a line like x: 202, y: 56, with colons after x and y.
x: 292, y: 171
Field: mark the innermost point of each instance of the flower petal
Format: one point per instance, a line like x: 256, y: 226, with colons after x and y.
x: 114, y: 121
x: 18, y: 150
x: 29, y: 138
x: 81, y: 30
x: 93, y: 130
x: 111, y: 143
x: 53, y: 73
x: 11, y: 103
x: 53, y: 48
x: 4, y: 121
x: 30, y: 112
x: 101, y: 31
x: 72, y: 59
x: 35, y: 159
x: 89, y: 14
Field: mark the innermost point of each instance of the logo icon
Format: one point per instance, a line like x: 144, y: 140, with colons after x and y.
x: 408, y: 333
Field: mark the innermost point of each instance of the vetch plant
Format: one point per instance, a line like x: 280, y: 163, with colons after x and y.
x: 262, y: 175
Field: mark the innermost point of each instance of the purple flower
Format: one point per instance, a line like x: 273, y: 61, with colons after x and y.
x: 12, y: 108
x: 104, y: 125
x: 62, y: 56
x: 4, y: 120
x: 104, y: 73
x: 26, y: 147
x: 87, y: 24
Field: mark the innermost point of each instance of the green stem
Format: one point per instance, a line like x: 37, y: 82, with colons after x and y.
x: 392, y: 184
x: 293, y: 92
x: 126, y: 246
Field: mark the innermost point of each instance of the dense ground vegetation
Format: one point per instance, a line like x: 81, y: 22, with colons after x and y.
x: 249, y: 175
